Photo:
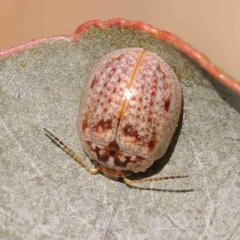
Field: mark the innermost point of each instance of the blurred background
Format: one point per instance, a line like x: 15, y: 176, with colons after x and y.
x: 212, y: 27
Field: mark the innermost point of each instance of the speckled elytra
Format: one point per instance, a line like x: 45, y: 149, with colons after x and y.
x: 129, y: 110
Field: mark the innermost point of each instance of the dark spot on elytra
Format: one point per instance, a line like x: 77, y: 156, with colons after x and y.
x: 159, y: 69
x: 105, y: 125
x: 111, y: 73
x: 151, y: 145
x: 113, y: 144
x: 84, y: 125
x: 120, y: 163
x: 149, y: 119
x: 103, y: 158
x: 113, y: 148
x: 129, y: 130
x: 94, y: 81
x: 112, y: 153
x: 133, y: 98
x: 167, y: 104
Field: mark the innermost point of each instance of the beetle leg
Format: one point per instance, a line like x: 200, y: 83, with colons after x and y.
x: 130, y: 182
x: 70, y: 151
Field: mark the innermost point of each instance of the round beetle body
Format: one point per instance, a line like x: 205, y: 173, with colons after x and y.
x: 129, y: 111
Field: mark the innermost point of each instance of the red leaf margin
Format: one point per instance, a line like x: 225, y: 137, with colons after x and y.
x: 177, y: 42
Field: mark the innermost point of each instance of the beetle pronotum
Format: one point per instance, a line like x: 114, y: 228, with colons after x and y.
x: 129, y: 110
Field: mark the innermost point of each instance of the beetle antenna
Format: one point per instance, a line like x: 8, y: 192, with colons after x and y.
x: 130, y: 182
x: 70, y: 151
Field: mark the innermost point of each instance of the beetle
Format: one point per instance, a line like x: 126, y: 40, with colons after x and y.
x: 129, y: 110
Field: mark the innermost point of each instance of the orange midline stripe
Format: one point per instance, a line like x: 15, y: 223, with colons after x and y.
x: 124, y: 102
